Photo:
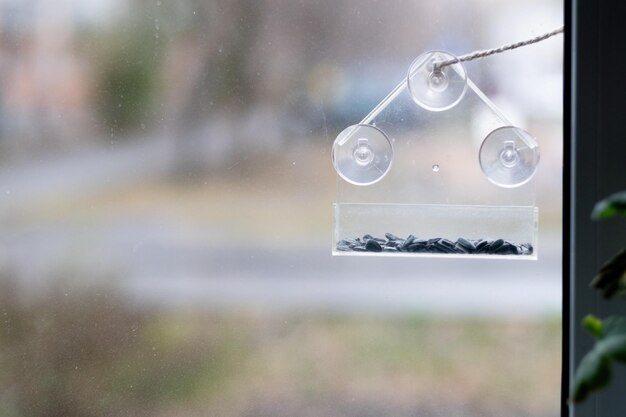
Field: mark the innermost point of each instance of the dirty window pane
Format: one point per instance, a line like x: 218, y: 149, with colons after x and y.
x: 165, y: 214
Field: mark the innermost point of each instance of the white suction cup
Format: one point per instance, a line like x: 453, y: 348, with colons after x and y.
x: 433, y: 88
x: 509, y: 156
x: 362, y: 154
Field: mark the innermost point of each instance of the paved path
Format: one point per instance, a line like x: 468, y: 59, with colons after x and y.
x: 310, y: 278
x: 174, y: 272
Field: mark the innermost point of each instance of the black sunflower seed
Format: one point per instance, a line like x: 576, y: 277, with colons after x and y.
x: 391, y: 236
x: 373, y: 246
x: 393, y: 243
x: 466, y: 245
x: 407, y: 242
x: 495, y: 245
x: 507, y: 248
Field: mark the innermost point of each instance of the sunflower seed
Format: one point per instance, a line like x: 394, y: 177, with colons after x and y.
x: 373, y: 246
x: 466, y: 245
x: 407, y: 242
x: 391, y: 236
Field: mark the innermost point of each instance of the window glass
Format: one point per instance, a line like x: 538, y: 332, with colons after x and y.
x: 166, y: 194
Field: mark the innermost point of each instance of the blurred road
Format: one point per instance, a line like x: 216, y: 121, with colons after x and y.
x: 196, y: 275
x: 153, y: 260
x: 200, y: 275
x: 81, y: 172
x: 312, y: 279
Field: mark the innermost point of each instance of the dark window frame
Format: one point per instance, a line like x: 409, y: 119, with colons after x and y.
x: 594, y: 142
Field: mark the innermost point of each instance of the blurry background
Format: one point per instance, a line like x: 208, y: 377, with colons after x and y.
x: 166, y: 219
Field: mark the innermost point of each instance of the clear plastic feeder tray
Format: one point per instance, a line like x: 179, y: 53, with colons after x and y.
x: 440, y: 230
x: 438, y: 163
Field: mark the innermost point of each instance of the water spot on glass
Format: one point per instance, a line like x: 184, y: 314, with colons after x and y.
x: 436, y: 168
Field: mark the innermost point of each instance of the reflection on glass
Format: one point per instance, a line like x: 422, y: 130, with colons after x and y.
x: 165, y: 215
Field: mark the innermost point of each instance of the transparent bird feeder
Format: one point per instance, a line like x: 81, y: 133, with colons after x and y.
x: 436, y: 170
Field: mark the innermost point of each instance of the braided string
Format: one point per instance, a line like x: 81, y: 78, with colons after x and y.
x: 487, y: 52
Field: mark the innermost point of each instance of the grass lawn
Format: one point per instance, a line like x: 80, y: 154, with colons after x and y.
x: 93, y: 353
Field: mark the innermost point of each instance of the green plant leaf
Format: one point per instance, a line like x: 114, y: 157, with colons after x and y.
x: 594, y: 371
x: 613, y: 325
x: 614, y: 337
x: 611, y: 279
x: 593, y: 325
x: 610, y: 206
x: 613, y: 347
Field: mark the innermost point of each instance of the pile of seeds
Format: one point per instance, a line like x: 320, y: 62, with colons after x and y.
x: 393, y: 243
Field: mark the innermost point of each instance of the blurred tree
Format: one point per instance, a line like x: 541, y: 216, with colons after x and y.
x: 249, y: 56
x: 127, y: 71
x: 224, y: 42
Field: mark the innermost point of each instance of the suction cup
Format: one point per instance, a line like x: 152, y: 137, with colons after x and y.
x: 509, y: 156
x: 436, y: 89
x: 362, y: 154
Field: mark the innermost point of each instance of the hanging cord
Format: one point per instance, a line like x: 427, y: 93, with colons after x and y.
x: 504, y: 48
